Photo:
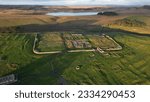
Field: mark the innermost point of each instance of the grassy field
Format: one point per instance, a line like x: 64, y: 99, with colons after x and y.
x: 129, y: 66
x: 15, y: 51
x: 101, y: 41
x: 50, y: 42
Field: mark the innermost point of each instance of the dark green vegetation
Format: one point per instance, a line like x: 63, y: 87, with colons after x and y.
x: 108, y: 13
x: 15, y: 51
x: 129, y: 66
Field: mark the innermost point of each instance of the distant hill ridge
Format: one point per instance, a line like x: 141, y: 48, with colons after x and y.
x: 130, y: 22
x: 146, y: 7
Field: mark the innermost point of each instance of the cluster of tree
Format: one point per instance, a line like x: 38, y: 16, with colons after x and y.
x: 108, y: 13
x: 130, y: 23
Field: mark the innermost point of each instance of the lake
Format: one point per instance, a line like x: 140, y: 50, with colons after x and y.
x: 72, y: 13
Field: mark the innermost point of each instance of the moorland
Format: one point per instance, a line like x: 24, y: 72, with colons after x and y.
x: 130, y: 28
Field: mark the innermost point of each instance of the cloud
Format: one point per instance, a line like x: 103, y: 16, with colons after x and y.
x: 76, y: 2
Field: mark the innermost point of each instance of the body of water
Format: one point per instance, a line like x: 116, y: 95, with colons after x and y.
x: 72, y: 13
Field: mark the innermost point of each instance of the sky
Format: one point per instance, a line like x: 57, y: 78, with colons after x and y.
x: 75, y: 2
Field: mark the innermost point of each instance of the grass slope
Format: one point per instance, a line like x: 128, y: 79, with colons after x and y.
x: 129, y: 66
x: 15, y: 51
x: 139, y: 24
x: 11, y: 20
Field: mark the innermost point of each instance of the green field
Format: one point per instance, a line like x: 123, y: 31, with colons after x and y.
x: 102, y: 42
x: 128, y: 66
x: 15, y: 51
x: 50, y: 42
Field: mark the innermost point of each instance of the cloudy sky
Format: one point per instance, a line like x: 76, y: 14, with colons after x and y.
x: 76, y: 2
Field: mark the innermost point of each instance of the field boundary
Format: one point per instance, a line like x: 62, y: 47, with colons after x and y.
x: 114, y: 49
x: 41, y: 53
x: 72, y: 51
x: 55, y: 52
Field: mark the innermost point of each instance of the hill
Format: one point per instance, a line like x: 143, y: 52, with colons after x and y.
x: 137, y: 24
x: 146, y: 7
x: 130, y: 23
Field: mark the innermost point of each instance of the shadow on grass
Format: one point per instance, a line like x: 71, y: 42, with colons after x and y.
x: 81, y: 26
x: 47, y: 70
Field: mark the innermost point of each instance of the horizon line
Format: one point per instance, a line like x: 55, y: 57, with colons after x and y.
x: 73, y: 5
